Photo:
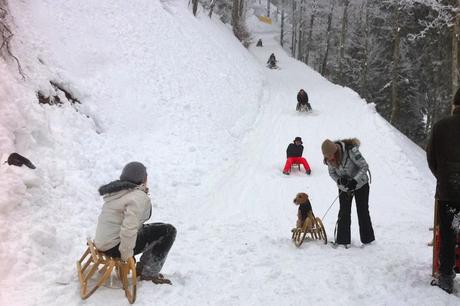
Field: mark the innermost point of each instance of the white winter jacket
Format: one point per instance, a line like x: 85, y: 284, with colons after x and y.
x: 123, y: 213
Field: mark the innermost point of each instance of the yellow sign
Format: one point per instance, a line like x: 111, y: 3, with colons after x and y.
x: 265, y: 19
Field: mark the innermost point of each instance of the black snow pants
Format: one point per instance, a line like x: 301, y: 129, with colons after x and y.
x: 447, y: 210
x: 366, y: 231
x: 154, y: 241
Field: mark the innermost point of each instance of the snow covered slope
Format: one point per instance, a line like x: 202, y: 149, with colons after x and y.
x: 211, y: 123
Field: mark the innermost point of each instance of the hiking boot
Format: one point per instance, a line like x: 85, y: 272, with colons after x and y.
x: 445, y: 282
x: 336, y: 245
x: 159, y: 279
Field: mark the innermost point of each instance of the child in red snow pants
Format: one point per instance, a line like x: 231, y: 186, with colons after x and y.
x: 296, y: 160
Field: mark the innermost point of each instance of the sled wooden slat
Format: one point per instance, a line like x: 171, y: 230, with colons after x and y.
x: 313, y: 227
x: 95, y: 268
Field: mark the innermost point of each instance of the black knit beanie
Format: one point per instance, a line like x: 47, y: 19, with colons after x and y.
x: 134, y: 172
x: 298, y: 139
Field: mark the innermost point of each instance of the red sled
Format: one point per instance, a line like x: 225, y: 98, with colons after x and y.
x: 436, y: 245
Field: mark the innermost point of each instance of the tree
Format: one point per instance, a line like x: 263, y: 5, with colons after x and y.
x: 195, y: 6
x: 343, y: 37
x: 323, y: 70
x: 282, y: 24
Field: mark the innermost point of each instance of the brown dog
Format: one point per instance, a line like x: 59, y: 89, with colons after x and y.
x: 305, y: 210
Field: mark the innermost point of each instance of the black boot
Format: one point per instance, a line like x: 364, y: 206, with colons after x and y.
x: 445, y: 282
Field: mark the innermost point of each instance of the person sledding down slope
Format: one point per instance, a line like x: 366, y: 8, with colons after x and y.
x: 348, y: 168
x: 294, y: 153
x: 272, y: 61
x: 302, y: 101
x: 120, y: 231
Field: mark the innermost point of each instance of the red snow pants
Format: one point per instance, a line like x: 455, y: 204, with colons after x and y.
x: 296, y: 160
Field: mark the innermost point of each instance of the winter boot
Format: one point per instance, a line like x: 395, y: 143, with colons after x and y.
x: 285, y: 172
x: 336, y: 245
x: 308, y: 172
x: 445, y: 282
x: 159, y: 279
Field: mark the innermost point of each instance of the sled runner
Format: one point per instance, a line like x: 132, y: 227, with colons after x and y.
x: 95, y: 268
x: 295, y: 165
x: 312, y: 227
x: 436, y: 246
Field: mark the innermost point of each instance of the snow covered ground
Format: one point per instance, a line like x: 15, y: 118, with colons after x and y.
x: 212, y: 124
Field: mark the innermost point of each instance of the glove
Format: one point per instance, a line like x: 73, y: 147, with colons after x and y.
x: 342, y: 181
x: 351, y: 185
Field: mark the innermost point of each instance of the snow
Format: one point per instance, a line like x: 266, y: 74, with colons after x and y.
x: 212, y: 124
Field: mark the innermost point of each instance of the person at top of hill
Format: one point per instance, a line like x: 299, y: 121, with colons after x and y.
x: 294, y: 153
x: 272, y: 61
x: 121, y: 231
x: 443, y: 155
x: 259, y: 43
x: 348, y: 168
x: 302, y: 101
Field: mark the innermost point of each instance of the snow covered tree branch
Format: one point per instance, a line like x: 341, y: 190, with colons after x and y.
x: 6, y: 35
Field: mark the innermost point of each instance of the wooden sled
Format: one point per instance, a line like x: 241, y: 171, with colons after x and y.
x: 295, y: 165
x: 95, y: 268
x: 313, y: 228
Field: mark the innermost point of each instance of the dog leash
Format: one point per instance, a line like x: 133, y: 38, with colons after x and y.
x: 331, y: 206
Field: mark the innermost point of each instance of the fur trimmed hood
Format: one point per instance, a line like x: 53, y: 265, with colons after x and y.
x: 354, y: 142
x: 116, y: 186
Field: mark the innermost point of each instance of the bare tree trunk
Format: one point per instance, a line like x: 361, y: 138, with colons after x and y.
x: 300, y: 43
x: 235, y: 13
x: 195, y: 6
x: 282, y: 23
x: 310, y: 33
x: 328, y: 39
x: 268, y: 8
x: 364, y: 83
x: 395, y: 102
x: 211, y: 7
x: 455, y: 49
x: 294, y: 29
x: 343, y: 37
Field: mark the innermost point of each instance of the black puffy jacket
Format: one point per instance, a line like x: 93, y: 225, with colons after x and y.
x: 294, y: 150
x: 443, y: 155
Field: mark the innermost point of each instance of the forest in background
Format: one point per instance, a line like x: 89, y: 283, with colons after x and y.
x: 401, y: 55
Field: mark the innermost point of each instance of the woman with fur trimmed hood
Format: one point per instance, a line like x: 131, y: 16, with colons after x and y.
x: 121, y: 231
x: 348, y: 168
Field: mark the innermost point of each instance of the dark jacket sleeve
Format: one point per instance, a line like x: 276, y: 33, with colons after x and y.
x: 431, y: 153
x: 298, y: 97
x: 289, y: 150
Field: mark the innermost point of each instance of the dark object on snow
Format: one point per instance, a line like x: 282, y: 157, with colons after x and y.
x: 272, y: 61
x: 302, y: 101
x: 16, y: 159
x: 259, y: 43
x: 443, y: 156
